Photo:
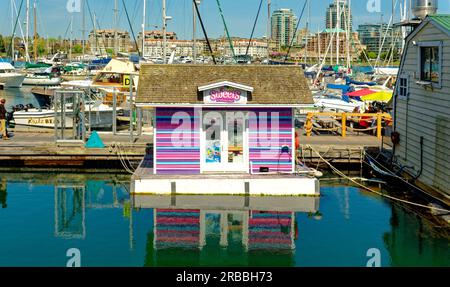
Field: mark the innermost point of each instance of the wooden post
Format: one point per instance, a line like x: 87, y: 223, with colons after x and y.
x: 379, y: 125
x: 309, y: 124
x: 344, y: 125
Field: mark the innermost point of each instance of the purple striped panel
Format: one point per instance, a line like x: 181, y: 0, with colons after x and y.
x: 269, y: 130
x: 177, y: 141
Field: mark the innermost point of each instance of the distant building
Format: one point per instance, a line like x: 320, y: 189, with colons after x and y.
x: 422, y: 105
x: 100, y: 41
x: 319, y: 44
x: 257, y: 49
x: 372, y: 35
x: 154, y: 47
x: 283, y: 23
x: 332, y: 15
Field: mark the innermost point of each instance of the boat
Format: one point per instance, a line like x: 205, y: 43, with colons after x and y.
x: 101, y: 116
x: 9, y: 77
x: 49, y: 77
x: 41, y: 79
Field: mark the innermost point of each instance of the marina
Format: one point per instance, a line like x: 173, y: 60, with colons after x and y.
x: 154, y: 147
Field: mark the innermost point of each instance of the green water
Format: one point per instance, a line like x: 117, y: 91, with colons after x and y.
x: 18, y: 96
x: 44, y: 215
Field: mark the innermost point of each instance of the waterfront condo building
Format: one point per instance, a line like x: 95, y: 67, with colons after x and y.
x: 284, y: 23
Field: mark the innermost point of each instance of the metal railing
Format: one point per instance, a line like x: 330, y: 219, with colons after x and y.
x: 337, y: 122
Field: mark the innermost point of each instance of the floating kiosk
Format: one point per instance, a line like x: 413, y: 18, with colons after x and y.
x: 223, y: 130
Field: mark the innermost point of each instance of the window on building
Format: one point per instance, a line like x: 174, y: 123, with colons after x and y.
x: 430, y: 63
x: 403, y: 86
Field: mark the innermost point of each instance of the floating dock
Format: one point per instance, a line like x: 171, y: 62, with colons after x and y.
x: 144, y: 181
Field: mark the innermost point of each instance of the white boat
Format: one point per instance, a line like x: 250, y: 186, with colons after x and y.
x: 386, y: 71
x: 9, y: 77
x: 101, y: 116
x: 112, y: 77
x: 41, y: 79
x: 331, y: 103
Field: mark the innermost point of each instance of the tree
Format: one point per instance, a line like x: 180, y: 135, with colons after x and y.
x: 372, y: 55
x: 77, y: 49
x: 2, y: 45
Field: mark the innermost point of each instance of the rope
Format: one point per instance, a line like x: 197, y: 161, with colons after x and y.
x: 360, y: 130
x: 124, y: 160
x: 326, y: 130
x: 374, y: 191
x: 402, y: 179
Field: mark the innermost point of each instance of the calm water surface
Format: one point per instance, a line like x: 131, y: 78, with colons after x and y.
x: 44, y: 215
x: 18, y: 96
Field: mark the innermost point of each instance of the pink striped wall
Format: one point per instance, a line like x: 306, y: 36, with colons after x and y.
x: 178, y: 139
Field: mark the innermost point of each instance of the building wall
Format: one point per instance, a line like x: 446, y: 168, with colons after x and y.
x: 183, y: 157
x: 283, y: 23
x: 265, y: 148
x: 179, y: 156
x: 426, y: 113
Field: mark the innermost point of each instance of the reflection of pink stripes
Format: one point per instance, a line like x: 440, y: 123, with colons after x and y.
x: 175, y: 220
x: 268, y: 234
x: 178, y: 239
x: 194, y: 211
x: 174, y: 233
x: 270, y: 221
x: 270, y: 240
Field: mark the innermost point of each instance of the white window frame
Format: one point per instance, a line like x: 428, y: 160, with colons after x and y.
x: 400, y: 78
x: 438, y: 44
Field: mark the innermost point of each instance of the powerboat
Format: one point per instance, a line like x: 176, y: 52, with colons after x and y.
x: 97, y: 115
x: 9, y: 77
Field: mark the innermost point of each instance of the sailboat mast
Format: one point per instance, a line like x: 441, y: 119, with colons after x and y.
x: 27, y: 33
x: 194, y: 31
x: 144, y: 15
x: 116, y: 24
x: 307, y: 31
x: 338, y: 31
x: 35, y: 32
x: 164, y: 30
x: 84, y: 26
x: 71, y: 39
x: 269, y: 32
x: 349, y: 32
x: 12, y: 31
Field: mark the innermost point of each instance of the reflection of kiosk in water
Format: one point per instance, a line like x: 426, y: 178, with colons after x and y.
x: 70, y: 212
x: 72, y: 201
x: 232, y: 231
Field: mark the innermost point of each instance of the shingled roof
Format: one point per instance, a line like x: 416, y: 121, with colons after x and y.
x: 178, y: 84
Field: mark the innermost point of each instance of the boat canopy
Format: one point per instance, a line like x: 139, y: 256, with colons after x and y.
x: 368, y: 95
x: 119, y: 67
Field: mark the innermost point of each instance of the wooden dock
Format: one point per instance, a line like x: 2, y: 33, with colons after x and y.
x: 39, y: 149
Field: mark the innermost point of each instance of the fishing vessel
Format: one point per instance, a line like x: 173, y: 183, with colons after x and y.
x: 9, y: 77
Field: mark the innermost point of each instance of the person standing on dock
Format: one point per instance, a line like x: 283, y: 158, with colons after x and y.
x: 3, y: 119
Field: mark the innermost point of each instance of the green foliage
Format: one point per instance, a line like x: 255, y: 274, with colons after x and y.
x: 2, y: 45
x: 77, y: 49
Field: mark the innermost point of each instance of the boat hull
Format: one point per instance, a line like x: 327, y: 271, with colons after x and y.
x: 12, y: 80
x: 99, y: 119
x: 29, y: 81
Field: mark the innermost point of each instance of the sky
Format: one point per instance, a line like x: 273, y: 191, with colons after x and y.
x: 54, y: 19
